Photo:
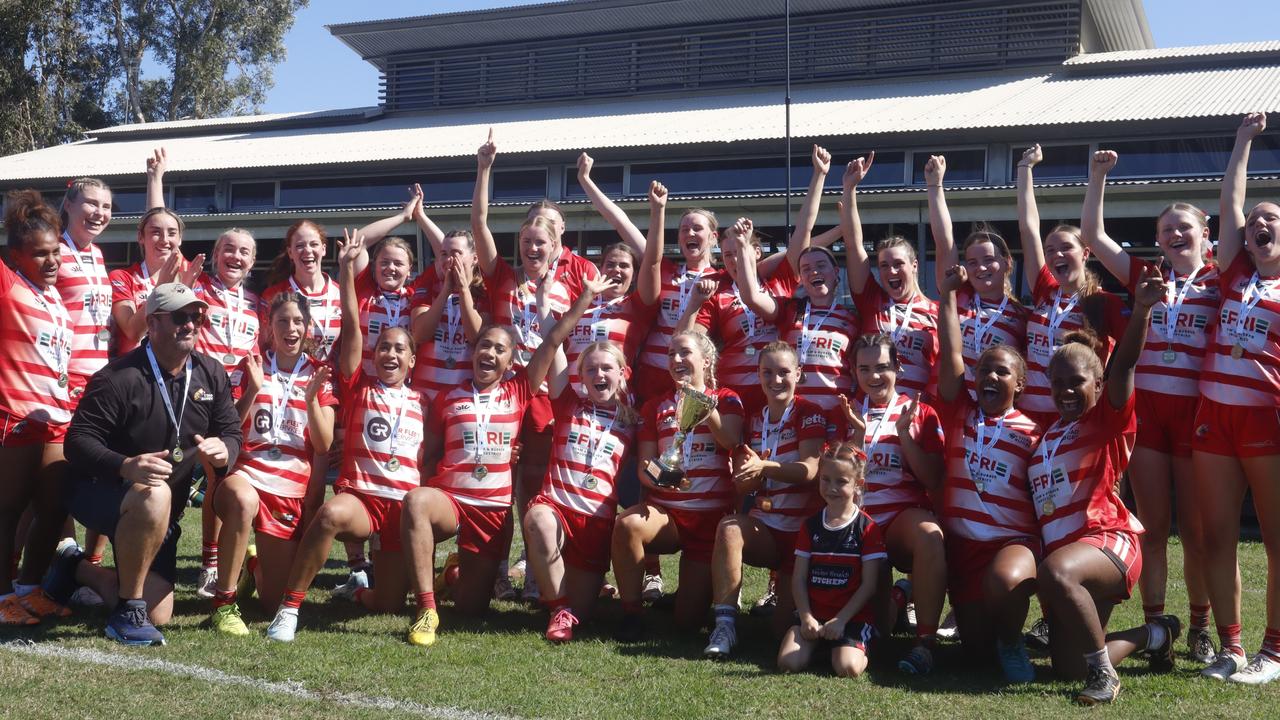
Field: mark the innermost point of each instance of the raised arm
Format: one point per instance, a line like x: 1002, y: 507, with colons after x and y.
x: 1149, y: 291
x: 703, y: 290
x: 608, y: 210
x: 951, y: 357
x: 157, y: 163
x: 352, y: 339
x: 649, y: 281
x: 378, y: 229
x: 944, y: 242
x: 858, y: 264
x: 749, y: 286
x: 251, y: 384
x: 554, y: 336
x: 423, y: 324
x: 1231, y: 201
x: 1092, y: 227
x: 486, y: 248
x: 433, y: 233
x: 926, y: 466
x: 1029, y: 216
x: 802, y: 235
x: 319, y: 417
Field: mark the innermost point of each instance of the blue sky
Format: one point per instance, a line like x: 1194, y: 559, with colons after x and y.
x: 348, y: 81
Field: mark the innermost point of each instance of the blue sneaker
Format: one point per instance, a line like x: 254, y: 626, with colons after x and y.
x: 129, y: 624
x: 60, y: 583
x: 1015, y: 663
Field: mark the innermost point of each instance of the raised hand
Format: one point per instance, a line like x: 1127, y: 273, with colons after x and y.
x: 657, y: 194
x: 954, y: 279
x: 853, y: 416
x: 157, y: 163
x: 1104, y: 161
x: 319, y: 379
x: 463, y: 274
x: 487, y: 152
x: 907, y: 417
x: 1151, y: 287
x: 585, y: 163
x: 1031, y: 157
x: 190, y: 271
x: 349, y: 248
x: 414, y: 206
x: 253, y: 372
x: 821, y: 160
x: 1252, y: 126
x: 741, y: 229
x: 596, y: 286
x: 935, y: 169
x: 703, y: 290
x: 857, y: 169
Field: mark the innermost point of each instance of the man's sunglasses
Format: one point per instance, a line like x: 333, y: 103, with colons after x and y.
x: 182, y: 317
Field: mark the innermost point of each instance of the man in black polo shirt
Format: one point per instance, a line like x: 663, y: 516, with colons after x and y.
x: 142, y: 426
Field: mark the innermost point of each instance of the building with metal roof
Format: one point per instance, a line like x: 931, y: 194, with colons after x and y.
x: 692, y: 92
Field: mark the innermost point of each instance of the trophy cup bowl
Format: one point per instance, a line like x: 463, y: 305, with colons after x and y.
x: 691, y: 409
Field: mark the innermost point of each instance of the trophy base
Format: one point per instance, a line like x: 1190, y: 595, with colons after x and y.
x: 664, y: 477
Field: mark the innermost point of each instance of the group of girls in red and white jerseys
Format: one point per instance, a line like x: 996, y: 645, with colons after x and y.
x: 994, y: 435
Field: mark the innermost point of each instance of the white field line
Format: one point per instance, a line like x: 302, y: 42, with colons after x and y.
x: 218, y: 677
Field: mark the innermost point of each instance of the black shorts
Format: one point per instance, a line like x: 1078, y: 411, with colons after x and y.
x: 96, y: 505
x: 857, y: 634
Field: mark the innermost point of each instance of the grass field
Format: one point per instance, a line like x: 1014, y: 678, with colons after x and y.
x: 348, y: 664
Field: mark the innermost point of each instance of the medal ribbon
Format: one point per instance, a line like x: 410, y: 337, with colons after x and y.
x: 1248, y: 301
x: 596, y: 439
x: 99, y: 321
x: 1057, y: 314
x: 875, y: 435
x: 1173, y: 300
x: 483, y: 419
x: 278, y: 406
x: 400, y: 395
x: 981, y: 328
x: 175, y: 418
x: 225, y: 294
x: 809, y: 335
x: 59, y: 318
x: 319, y: 321
x: 981, y: 446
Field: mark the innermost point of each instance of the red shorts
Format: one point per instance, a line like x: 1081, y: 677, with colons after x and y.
x: 481, y: 530
x: 384, y: 519
x: 279, y: 517
x: 697, y: 532
x: 20, y: 432
x: 1166, y: 423
x: 786, y: 544
x: 968, y: 561
x: 1238, y: 431
x: 650, y: 382
x: 1122, y: 548
x: 538, y: 417
x: 587, y: 538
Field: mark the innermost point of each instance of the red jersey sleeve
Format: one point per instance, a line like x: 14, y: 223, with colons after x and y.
x: 7, y: 278
x: 364, y: 282
x: 783, y: 282
x: 812, y: 422
x: 1044, y: 286
x: 872, y: 541
x: 929, y: 429
x: 871, y: 300
x: 424, y: 288
x: 121, y: 285
x: 729, y: 403
x: 648, y: 431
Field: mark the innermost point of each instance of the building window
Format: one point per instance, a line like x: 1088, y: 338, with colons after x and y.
x: 128, y: 201
x: 519, y: 184
x: 964, y: 167
x: 194, y: 199
x: 702, y: 177
x: 1188, y: 156
x: 1060, y: 162
x: 608, y: 179
x: 253, y: 196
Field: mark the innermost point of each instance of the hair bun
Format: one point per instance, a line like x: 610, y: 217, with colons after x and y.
x: 1086, y: 337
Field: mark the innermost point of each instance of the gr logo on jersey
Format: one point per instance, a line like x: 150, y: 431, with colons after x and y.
x: 378, y: 429
x: 262, y: 422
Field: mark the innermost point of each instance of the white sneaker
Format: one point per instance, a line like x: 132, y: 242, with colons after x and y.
x: 357, y: 580
x: 1224, y: 666
x: 86, y: 597
x: 208, y: 583
x: 1260, y: 670
x: 285, y: 625
x: 948, y: 629
x: 530, y: 592
x: 723, y: 637
x: 652, y: 591
x: 519, y: 570
x: 65, y: 543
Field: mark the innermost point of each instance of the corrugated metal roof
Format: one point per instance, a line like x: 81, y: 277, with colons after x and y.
x: 374, y: 39
x: 1263, y: 47
x: 1120, y: 23
x: 231, y: 123
x: 922, y: 106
